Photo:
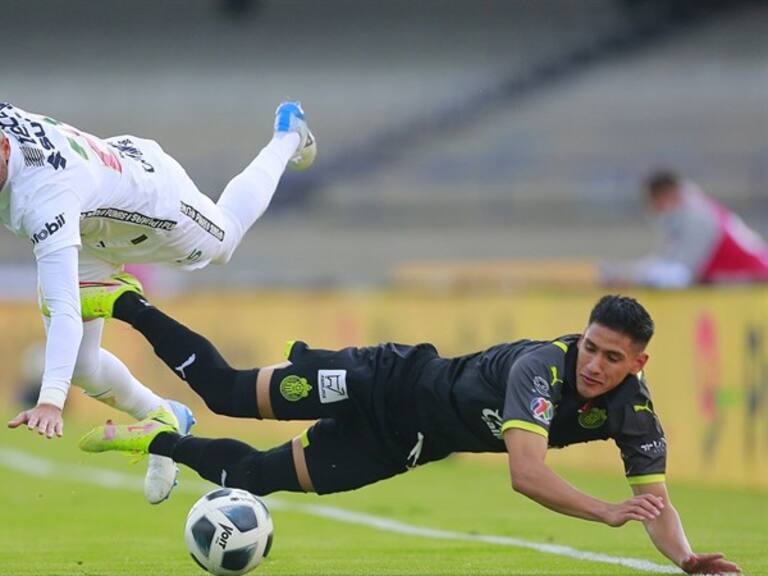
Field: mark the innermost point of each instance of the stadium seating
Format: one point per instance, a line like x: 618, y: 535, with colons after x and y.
x: 411, y: 106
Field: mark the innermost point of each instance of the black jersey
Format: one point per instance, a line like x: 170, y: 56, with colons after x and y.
x: 465, y: 404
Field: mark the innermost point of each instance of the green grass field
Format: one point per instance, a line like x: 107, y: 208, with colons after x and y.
x: 63, y: 514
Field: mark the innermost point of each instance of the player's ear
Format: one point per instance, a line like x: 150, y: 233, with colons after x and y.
x: 639, y: 362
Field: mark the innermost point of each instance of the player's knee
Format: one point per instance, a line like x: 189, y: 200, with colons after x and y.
x: 229, y: 392
x: 222, y: 258
x: 226, y: 252
x: 86, y: 369
x: 219, y: 402
x: 247, y: 474
x: 87, y: 364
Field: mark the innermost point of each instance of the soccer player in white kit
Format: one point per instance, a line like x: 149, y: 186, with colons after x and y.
x: 88, y: 206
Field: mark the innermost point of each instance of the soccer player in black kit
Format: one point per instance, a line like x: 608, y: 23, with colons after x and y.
x: 384, y: 409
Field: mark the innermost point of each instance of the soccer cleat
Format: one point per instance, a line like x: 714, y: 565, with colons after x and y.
x: 160, y: 479
x: 97, y: 299
x: 162, y: 472
x: 184, y: 416
x: 289, y: 117
x: 134, y: 437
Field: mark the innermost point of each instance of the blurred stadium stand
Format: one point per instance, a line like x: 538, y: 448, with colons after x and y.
x: 448, y: 130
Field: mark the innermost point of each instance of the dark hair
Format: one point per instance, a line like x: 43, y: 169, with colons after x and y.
x: 661, y: 182
x: 625, y: 315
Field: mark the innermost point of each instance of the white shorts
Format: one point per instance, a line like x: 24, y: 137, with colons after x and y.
x: 199, y: 236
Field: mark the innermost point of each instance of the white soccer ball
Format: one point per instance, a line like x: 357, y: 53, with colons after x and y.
x: 228, y: 532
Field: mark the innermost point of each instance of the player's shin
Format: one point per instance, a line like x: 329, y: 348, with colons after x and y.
x: 232, y: 463
x: 193, y: 358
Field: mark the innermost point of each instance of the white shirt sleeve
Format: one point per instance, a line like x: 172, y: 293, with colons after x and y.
x: 60, y: 290
x: 51, y: 221
x: 689, y: 234
x: 649, y: 271
x: 661, y: 273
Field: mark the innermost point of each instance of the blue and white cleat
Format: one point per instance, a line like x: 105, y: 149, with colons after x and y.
x: 183, y: 415
x: 160, y: 479
x: 289, y: 117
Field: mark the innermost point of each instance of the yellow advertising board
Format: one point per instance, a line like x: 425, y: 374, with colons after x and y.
x: 708, y: 371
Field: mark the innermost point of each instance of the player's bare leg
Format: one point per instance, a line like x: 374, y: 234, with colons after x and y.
x: 300, y: 463
x: 263, y: 380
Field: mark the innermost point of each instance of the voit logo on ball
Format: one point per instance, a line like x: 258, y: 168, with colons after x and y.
x: 49, y: 229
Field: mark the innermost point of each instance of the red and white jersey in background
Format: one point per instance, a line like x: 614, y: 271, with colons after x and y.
x: 701, y: 242
x: 713, y: 243
x: 739, y: 254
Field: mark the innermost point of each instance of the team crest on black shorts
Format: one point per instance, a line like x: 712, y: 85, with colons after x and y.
x: 294, y: 388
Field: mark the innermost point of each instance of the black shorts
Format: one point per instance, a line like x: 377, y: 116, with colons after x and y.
x: 361, y: 436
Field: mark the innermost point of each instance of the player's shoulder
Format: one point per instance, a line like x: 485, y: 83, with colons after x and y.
x: 634, y: 388
x: 545, y: 362
x: 548, y: 351
x: 10, y: 118
x: 632, y: 397
x: 13, y: 119
x: 39, y: 151
x: 6, y: 108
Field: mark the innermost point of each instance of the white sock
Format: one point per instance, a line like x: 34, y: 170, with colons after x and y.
x: 103, y: 376
x: 248, y: 194
x: 112, y: 383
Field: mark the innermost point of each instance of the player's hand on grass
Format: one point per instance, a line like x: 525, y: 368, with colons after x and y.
x: 45, y: 418
x: 642, y: 507
x: 709, y: 564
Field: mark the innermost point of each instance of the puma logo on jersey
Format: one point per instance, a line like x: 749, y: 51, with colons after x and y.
x: 49, y: 229
x: 493, y: 420
x: 188, y: 362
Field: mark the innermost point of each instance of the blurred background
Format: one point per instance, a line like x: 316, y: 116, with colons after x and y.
x: 448, y: 130
x: 477, y: 159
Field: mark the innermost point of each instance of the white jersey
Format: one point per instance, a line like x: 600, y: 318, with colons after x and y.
x: 121, y: 199
x: 117, y: 200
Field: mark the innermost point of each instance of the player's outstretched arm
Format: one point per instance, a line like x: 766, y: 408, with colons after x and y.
x: 533, y: 478
x: 667, y: 534
x: 57, y: 273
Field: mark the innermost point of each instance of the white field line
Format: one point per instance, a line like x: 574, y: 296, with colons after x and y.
x: 33, y: 466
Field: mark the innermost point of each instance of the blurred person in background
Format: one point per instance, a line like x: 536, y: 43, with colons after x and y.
x: 88, y: 206
x: 702, y: 242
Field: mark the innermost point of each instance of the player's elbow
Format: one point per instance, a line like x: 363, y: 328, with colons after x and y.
x: 521, y: 485
x: 523, y: 479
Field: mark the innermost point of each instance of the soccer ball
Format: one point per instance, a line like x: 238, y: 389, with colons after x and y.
x: 228, y: 532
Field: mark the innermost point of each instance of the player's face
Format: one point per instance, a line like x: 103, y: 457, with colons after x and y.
x: 665, y: 202
x: 5, y: 153
x: 605, y: 358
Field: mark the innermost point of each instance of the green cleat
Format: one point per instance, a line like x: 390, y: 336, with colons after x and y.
x: 97, y: 299
x: 134, y: 437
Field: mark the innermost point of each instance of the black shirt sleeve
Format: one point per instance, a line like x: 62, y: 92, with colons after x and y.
x: 528, y: 401
x: 642, y: 442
